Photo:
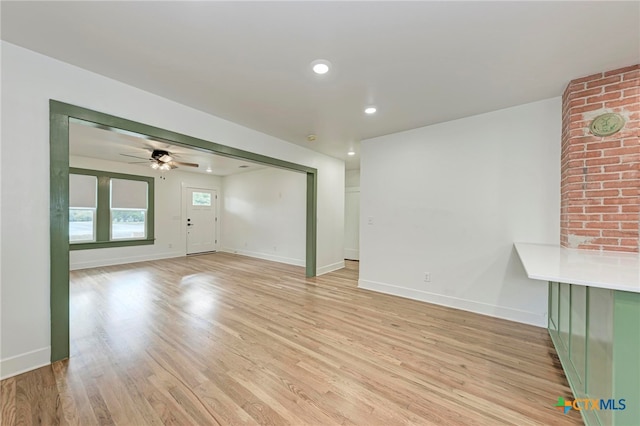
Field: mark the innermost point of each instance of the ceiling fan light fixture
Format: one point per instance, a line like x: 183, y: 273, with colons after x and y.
x: 155, y: 165
x: 164, y: 167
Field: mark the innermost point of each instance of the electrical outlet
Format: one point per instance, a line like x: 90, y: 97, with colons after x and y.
x: 427, y: 277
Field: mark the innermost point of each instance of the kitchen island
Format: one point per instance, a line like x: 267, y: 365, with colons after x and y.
x: 594, y: 323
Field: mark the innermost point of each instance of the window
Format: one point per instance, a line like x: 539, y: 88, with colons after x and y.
x: 201, y: 199
x: 128, y: 209
x: 109, y: 209
x: 83, y: 190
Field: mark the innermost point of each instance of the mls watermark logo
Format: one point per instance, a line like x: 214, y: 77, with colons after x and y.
x: 580, y: 404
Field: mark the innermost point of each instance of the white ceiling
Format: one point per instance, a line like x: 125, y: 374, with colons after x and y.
x: 85, y: 140
x: 420, y: 63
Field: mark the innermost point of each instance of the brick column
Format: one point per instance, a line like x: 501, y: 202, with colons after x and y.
x: 600, y: 188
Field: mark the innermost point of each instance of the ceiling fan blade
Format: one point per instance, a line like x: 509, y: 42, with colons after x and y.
x: 134, y: 156
x: 186, y: 164
x: 172, y: 165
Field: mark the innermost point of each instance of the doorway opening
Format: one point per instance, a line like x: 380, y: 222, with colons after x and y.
x: 60, y: 114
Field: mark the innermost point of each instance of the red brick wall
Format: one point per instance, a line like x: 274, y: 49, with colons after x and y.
x: 600, y: 202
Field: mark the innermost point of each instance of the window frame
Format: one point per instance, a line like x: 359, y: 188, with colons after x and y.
x: 93, y: 221
x: 103, y: 211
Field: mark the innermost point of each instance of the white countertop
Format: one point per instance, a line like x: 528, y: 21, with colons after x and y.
x: 611, y: 270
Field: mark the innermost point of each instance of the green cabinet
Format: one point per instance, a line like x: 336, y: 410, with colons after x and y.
x: 596, y: 333
x: 578, y: 333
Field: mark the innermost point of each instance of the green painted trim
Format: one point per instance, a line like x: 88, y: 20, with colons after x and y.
x: 586, y: 341
x: 60, y: 114
x: 549, y: 305
x: 566, y: 345
x: 59, y: 233
x: 551, y: 324
x: 312, y: 209
x: 103, y: 211
x: 569, y: 343
x: 109, y: 244
x: 574, y: 370
x: 91, y: 172
x: 112, y: 122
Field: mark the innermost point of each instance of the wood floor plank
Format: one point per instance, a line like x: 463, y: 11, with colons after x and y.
x: 222, y: 339
x: 8, y: 405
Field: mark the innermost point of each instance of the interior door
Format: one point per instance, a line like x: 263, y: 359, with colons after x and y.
x: 201, y: 220
x: 352, y: 224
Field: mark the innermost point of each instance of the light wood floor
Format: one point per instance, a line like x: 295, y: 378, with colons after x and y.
x: 223, y: 340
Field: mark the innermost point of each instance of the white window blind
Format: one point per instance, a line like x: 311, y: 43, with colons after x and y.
x: 128, y: 194
x: 82, y: 191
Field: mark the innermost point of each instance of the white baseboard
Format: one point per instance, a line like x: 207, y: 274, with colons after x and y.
x: 531, y: 318
x: 96, y: 263
x: 321, y: 270
x: 265, y: 256
x: 22, y: 363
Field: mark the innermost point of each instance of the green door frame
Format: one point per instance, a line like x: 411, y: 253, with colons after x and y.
x: 59, y: 115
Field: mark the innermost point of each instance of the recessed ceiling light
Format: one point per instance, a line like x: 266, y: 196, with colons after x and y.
x: 352, y: 152
x: 320, y: 66
x: 311, y: 138
x: 370, y: 110
x: 209, y: 170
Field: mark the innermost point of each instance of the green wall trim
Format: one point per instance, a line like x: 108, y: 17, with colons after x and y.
x: 109, y: 244
x: 103, y: 212
x: 59, y: 233
x: 112, y: 122
x: 59, y: 115
x: 312, y: 208
x: 91, y: 172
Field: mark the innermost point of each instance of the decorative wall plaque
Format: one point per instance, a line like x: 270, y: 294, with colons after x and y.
x: 607, y: 124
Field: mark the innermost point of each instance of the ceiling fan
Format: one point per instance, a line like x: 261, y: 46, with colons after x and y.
x: 163, y: 160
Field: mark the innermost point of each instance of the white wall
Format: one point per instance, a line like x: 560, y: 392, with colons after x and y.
x: 29, y: 80
x: 264, y: 215
x: 352, y: 223
x: 169, y: 230
x: 352, y: 178
x: 450, y: 199
x: 352, y: 215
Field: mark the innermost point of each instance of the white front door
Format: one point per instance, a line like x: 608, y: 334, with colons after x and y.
x: 201, y: 220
